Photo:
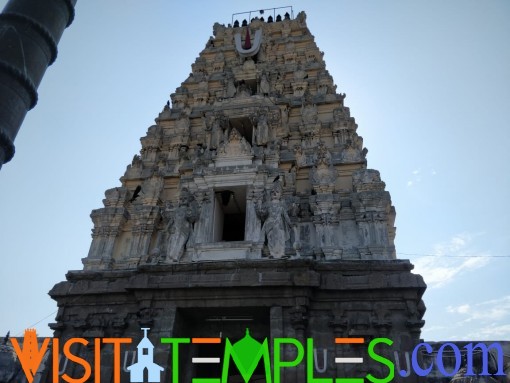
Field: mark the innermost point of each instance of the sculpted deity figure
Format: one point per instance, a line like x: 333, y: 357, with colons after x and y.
x: 243, y: 90
x: 230, y: 86
x: 180, y: 226
x: 264, y: 84
x: 300, y: 73
x: 279, y: 85
x: 182, y: 125
x: 277, y: 226
x: 284, y: 121
x: 309, y: 113
x: 216, y: 133
x: 262, y: 131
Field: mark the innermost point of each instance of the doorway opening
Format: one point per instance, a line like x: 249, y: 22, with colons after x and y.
x: 229, y: 214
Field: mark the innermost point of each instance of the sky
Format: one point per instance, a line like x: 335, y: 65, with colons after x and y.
x: 428, y: 83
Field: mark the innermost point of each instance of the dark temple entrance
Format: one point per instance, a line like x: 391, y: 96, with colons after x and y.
x: 201, y: 359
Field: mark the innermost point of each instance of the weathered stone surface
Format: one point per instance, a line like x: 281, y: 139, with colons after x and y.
x: 250, y: 200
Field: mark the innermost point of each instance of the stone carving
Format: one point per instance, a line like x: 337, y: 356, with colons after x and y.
x: 323, y: 174
x: 151, y: 189
x: 324, y: 83
x: 235, y: 146
x: 182, y: 124
x: 343, y: 126
x: 265, y: 87
x: 115, y: 197
x: 219, y: 62
x: 290, y: 177
x: 183, y: 154
x: 310, y: 124
x: 146, y: 317
x: 248, y: 51
x: 367, y: 180
x: 213, y: 125
x: 298, y: 318
x: 179, y: 226
x: 230, y: 86
x: 180, y: 98
x: 243, y: 90
x: 301, y: 160
x: 135, y: 169
x: 414, y: 323
x: 279, y: 85
x: 381, y: 318
x: 277, y: 226
x: 284, y: 118
x: 303, y: 132
x: 201, y: 95
x: 300, y: 84
x: 350, y: 153
x: 262, y: 127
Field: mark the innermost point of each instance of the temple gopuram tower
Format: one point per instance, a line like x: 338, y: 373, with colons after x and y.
x: 249, y: 206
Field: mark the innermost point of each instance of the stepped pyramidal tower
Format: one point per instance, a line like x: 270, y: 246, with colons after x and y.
x: 250, y: 206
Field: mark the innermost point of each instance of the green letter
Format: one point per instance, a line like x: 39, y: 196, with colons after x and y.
x: 175, y: 355
x: 246, y: 354
x: 382, y: 360
x: 278, y: 363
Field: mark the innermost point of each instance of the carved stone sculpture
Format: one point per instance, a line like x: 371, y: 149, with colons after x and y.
x: 262, y: 131
x: 230, y: 86
x: 264, y: 84
x: 180, y: 226
x: 323, y: 175
x: 277, y: 226
x: 216, y: 131
x: 310, y: 123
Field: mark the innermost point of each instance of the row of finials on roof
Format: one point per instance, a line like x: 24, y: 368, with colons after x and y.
x: 269, y: 20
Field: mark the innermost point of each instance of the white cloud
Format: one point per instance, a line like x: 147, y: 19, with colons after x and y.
x: 417, y: 175
x: 451, y: 259
x: 491, y: 318
x: 462, y: 309
x: 415, y: 178
x: 491, y: 310
x: 493, y: 331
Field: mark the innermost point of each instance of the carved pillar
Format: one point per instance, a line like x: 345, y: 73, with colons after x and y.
x: 325, y: 208
x: 348, y: 236
x: 276, y: 327
x: 340, y: 325
x: 165, y: 328
x: 371, y: 203
x: 144, y: 219
x: 113, y: 232
x: 299, y: 321
x: 108, y: 223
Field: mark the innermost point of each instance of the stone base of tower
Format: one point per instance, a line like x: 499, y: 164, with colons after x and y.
x: 299, y: 299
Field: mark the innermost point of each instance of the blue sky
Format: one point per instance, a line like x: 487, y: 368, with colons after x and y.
x: 427, y: 81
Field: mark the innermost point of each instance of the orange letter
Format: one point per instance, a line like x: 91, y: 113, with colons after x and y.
x: 30, y: 356
x: 97, y: 360
x: 56, y: 366
x: 116, y: 355
x: 74, y: 358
